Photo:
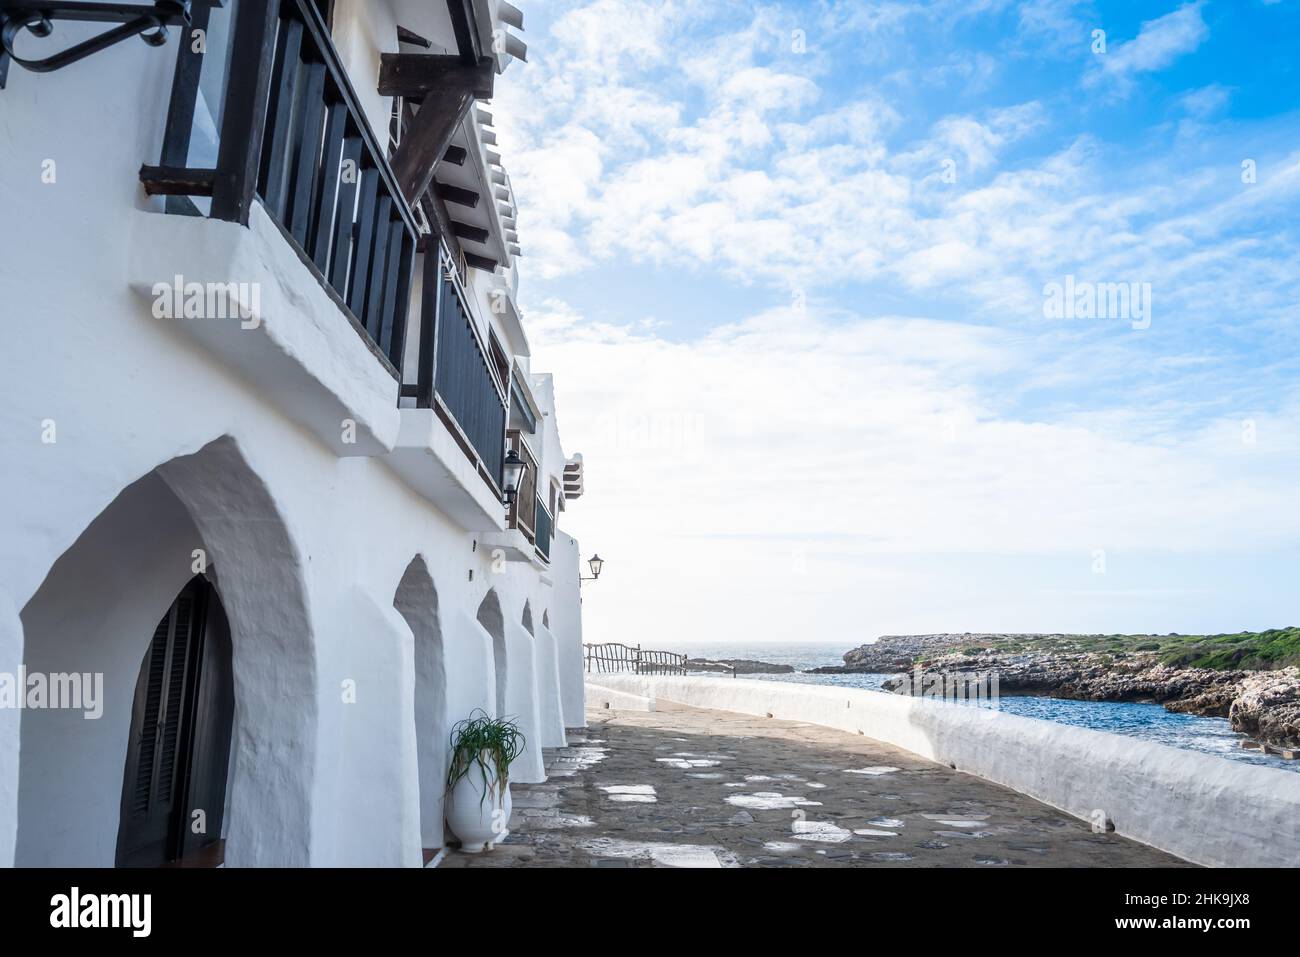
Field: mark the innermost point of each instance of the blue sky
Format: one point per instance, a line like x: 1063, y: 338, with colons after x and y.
x: 788, y: 263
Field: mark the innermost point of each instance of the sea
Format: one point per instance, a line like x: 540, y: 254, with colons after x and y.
x: 1150, y: 722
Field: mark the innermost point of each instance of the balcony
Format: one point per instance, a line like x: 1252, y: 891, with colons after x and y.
x: 279, y: 185
x: 265, y: 132
x: 451, y: 447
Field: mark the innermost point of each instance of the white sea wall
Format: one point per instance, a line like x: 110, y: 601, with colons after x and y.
x: 1205, y: 809
x: 602, y: 696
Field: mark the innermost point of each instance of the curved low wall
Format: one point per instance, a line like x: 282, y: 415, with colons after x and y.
x: 1208, y: 810
x: 602, y: 696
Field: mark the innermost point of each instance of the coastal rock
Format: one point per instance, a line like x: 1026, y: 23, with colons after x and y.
x: 1262, y: 704
x: 1268, y: 708
x: 740, y: 666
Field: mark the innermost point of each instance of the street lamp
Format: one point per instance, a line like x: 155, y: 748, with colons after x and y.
x: 596, y: 563
x: 512, y: 474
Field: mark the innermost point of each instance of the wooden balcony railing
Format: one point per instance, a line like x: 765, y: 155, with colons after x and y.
x: 266, y: 114
x: 523, y: 513
x: 456, y: 376
x: 612, y: 658
x: 545, y: 526
x: 292, y: 136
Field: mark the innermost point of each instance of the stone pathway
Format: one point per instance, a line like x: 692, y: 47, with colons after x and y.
x: 691, y: 788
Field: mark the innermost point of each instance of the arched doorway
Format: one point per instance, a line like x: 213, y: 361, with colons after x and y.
x: 96, y: 614
x: 178, y: 752
x: 417, y: 602
x: 528, y: 617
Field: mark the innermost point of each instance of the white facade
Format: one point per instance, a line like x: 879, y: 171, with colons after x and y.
x: 374, y: 592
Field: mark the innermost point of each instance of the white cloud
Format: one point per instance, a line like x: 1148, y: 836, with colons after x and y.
x: 701, y: 143
x: 1206, y: 100
x: 1158, y: 44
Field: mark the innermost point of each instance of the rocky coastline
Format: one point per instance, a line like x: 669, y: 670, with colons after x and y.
x: 739, y: 666
x: 1262, y: 704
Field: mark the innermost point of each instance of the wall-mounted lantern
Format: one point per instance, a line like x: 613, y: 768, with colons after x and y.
x: 512, y: 474
x: 595, y: 563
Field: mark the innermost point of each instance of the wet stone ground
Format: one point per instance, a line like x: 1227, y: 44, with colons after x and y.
x: 691, y: 788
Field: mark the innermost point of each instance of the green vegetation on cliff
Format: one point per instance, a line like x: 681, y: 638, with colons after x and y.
x: 1246, y: 650
x: 1254, y: 650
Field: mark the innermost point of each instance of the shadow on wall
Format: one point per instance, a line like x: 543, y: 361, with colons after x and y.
x: 493, y: 622
x: 547, y: 660
x: 516, y: 684
x: 417, y: 601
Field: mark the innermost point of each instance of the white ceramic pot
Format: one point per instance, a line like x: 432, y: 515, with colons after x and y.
x: 480, y: 822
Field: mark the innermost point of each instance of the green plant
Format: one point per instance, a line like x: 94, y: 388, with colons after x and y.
x: 480, y: 739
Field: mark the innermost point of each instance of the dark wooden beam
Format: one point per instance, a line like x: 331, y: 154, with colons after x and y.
x: 248, y: 89
x: 457, y: 195
x: 475, y: 234
x: 481, y: 262
x: 456, y: 155
x: 440, y: 221
x: 426, y: 140
x: 176, y: 181
x: 465, y: 29
x: 415, y: 75
x: 409, y: 36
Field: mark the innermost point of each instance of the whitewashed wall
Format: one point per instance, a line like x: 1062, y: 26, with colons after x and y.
x: 316, y: 778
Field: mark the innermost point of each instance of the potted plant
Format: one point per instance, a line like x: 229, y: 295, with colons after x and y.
x: 478, y: 779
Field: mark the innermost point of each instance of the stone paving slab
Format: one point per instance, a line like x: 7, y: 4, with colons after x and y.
x: 683, y: 787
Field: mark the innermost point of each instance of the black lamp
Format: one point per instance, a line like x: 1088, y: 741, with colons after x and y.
x: 512, y: 472
x: 596, y: 563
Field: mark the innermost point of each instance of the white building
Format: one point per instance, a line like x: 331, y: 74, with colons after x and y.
x: 263, y: 364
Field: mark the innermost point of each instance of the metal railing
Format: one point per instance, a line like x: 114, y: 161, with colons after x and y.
x: 613, y: 657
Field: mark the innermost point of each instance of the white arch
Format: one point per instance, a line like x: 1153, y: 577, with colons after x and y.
x: 96, y: 611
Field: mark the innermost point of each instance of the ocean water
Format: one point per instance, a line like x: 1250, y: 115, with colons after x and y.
x: 1151, y: 722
